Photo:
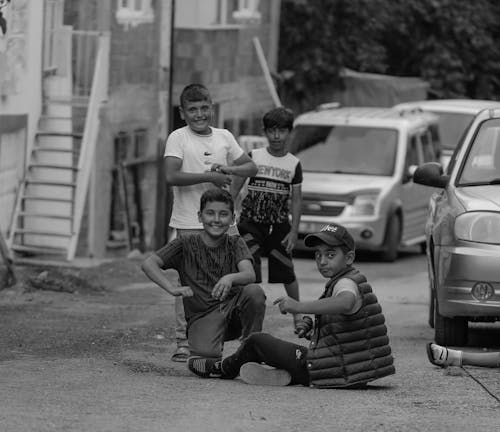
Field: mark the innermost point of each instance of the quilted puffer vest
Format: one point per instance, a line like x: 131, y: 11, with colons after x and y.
x: 352, y: 349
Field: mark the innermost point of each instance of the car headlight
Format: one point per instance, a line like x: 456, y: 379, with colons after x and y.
x: 363, y: 205
x: 481, y: 227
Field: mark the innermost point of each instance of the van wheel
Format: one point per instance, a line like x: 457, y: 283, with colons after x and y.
x: 449, y: 331
x: 391, y: 242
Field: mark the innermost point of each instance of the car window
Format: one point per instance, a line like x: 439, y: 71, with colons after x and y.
x: 451, y: 127
x: 482, y: 162
x: 345, y: 149
x: 453, y: 159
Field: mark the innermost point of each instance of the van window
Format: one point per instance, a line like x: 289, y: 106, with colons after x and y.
x: 345, y: 149
x: 427, y: 147
x: 412, y: 153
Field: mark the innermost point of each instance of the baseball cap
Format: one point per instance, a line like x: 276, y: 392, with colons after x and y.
x: 333, y: 235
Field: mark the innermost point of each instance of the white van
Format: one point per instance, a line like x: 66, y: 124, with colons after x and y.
x: 358, y: 164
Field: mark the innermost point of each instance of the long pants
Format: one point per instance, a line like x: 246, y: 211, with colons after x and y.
x: 278, y: 353
x: 240, y: 315
x: 180, y: 319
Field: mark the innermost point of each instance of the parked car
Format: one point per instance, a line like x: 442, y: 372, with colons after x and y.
x: 463, y: 232
x: 455, y: 116
x: 358, y: 164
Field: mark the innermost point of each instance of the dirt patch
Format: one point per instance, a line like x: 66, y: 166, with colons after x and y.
x: 85, y: 280
x: 61, y: 281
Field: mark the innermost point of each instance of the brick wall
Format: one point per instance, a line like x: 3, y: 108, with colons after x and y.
x: 225, y: 60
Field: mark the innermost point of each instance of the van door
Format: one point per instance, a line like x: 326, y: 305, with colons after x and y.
x: 415, y: 197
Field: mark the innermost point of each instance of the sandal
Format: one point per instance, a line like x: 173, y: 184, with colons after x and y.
x: 430, y: 356
x: 180, y: 355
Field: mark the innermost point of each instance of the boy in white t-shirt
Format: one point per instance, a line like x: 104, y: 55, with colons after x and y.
x: 198, y: 157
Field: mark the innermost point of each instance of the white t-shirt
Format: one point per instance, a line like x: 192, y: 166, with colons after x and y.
x: 198, y: 154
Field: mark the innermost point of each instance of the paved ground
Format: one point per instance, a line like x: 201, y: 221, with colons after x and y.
x: 98, y: 359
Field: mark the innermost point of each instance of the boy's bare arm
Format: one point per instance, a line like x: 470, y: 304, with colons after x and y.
x: 175, y: 177
x: 244, y: 166
x: 340, y: 304
x: 291, y: 238
x: 152, y: 267
x: 296, y: 209
x: 245, y: 275
x: 236, y: 186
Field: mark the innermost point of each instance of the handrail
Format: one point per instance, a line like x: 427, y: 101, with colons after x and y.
x: 98, y: 94
x: 79, y: 47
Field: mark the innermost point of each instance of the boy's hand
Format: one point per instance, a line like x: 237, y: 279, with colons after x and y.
x: 287, y: 304
x: 303, y: 327
x: 221, y: 169
x: 289, y: 241
x: 219, y: 179
x: 182, y: 291
x: 221, y: 288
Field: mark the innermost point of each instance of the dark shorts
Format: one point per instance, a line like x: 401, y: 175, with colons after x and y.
x: 265, y: 240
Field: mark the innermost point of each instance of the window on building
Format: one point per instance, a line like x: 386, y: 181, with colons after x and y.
x: 248, y: 11
x: 204, y: 13
x: 134, y: 12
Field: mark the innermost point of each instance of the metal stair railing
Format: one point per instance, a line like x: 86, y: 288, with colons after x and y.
x: 98, y: 95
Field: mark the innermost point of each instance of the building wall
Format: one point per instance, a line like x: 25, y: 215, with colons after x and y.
x: 20, y: 95
x: 223, y: 57
x: 138, y: 88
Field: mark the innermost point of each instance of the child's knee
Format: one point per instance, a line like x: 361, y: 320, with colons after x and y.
x: 255, y: 293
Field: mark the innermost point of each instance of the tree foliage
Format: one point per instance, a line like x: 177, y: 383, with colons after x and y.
x: 449, y: 43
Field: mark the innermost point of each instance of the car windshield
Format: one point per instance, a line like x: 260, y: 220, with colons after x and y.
x: 482, y: 161
x: 451, y: 127
x: 345, y: 149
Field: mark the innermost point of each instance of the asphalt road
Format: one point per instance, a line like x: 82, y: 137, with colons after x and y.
x: 73, y: 362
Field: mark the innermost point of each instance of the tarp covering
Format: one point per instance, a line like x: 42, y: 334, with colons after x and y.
x: 369, y: 89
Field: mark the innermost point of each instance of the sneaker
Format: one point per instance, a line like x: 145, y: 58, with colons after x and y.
x: 255, y: 373
x: 205, y: 367
x: 181, y: 354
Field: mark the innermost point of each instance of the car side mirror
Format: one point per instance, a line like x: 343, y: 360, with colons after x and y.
x: 410, y: 171
x: 431, y: 174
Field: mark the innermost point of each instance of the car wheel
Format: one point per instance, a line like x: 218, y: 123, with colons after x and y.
x: 449, y: 331
x: 392, y: 236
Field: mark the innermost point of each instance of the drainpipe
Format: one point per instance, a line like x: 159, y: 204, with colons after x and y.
x: 163, y: 193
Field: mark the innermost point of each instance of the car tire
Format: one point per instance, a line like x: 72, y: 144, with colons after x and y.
x: 449, y: 331
x: 392, y: 237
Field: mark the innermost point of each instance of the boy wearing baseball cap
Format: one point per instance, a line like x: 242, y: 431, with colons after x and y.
x: 348, y: 346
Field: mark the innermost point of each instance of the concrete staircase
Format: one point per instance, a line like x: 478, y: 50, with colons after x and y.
x: 44, y: 216
x: 51, y: 200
